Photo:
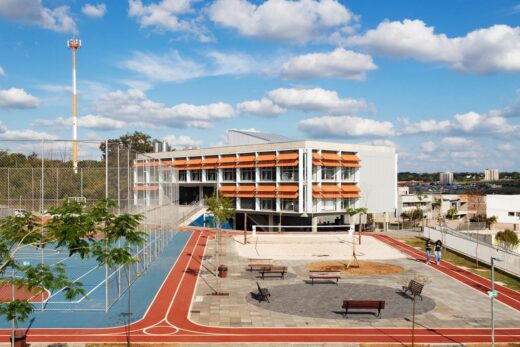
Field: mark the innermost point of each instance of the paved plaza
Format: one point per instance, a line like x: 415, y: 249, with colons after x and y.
x: 295, y: 303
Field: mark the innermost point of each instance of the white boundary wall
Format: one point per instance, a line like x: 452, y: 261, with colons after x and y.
x: 467, y: 245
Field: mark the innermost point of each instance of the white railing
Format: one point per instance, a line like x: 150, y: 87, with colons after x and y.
x: 468, y: 246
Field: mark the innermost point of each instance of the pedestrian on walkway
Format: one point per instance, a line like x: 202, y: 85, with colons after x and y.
x: 428, y: 251
x: 438, y: 247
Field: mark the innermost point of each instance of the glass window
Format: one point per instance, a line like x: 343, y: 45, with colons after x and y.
x: 196, y: 175
x: 182, y: 176
x: 211, y: 175
x: 347, y: 174
x: 267, y: 174
x: 140, y: 174
x: 346, y: 203
x: 289, y: 173
x: 328, y: 204
x: 328, y: 173
x: 247, y: 203
x: 267, y: 204
x: 289, y: 204
x: 230, y: 174
x: 247, y: 174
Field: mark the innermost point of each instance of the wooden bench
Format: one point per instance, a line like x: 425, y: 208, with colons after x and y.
x: 281, y: 270
x: 364, y: 304
x: 259, y: 264
x: 263, y: 293
x: 324, y: 275
x: 415, y: 288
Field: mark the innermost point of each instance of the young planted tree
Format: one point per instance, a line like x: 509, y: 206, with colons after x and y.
x: 92, y: 232
x: 507, y: 239
x: 222, y: 210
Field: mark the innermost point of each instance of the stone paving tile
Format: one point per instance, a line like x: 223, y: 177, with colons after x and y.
x: 456, y: 304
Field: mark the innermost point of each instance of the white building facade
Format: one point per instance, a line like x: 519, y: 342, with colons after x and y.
x: 505, y: 207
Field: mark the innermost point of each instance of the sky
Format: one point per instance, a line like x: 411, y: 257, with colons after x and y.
x: 438, y: 80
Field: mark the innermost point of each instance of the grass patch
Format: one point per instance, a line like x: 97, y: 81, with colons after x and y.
x: 365, y: 268
x: 468, y: 263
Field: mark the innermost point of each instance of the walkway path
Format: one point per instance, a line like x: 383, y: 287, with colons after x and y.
x: 166, y: 319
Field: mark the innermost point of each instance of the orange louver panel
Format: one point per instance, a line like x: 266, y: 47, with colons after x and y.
x: 246, y: 191
x: 167, y: 162
x: 330, y: 156
x: 287, y: 156
x: 287, y: 191
x: 268, y: 163
x: 326, y: 191
x: 227, y: 162
x: 350, y: 164
x: 266, y: 191
x: 246, y: 158
x: 179, y: 162
x: 350, y: 188
x: 287, y: 163
x: 330, y: 163
x: 196, y: 161
x: 209, y: 163
x: 266, y: 157
x: 228, y: 191
x: 349, y: 157
x: 146, y: 187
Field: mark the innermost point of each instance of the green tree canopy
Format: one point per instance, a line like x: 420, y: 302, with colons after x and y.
x: 137, y: 141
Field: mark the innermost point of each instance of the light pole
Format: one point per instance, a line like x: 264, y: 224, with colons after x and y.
x: 492, y: 294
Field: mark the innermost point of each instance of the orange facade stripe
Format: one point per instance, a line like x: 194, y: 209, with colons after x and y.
x: 179, y: 162
x: 146, y: 187
x: 285, y: 163
x: 266, y: 157
x: 287, y: 188
x: 228, y: 188
x: 197, y: 161
x: 246, y: 165
x: 227, y: 160
x: 330, y: 156
x: 330, y: 188
x: 210, y: 160
x: 350, y: 157
x: 287, y: 156
x: 350, y: 164
x: 246, y: 158
x: 264, y: 188
x: 350, y: 188
x: 266, y: 164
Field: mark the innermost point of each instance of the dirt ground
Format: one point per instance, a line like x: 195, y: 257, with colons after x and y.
x: 366, y: 268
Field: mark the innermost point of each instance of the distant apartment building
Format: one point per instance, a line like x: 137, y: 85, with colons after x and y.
x: 274, y: 180
x: 491, y: 175
x: 446, y: 178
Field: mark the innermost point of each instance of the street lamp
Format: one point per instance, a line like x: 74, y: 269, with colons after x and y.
x: 493, y: 294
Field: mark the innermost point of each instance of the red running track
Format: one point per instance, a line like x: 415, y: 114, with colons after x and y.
x: 166, y: 320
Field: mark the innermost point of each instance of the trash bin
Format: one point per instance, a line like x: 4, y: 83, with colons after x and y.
x: 19, y: 339
x: 222, y: 271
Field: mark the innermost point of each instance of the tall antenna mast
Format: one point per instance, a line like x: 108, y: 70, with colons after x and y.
x: 74, y: 44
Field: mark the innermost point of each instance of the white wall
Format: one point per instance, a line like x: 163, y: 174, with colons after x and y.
x: 501, y: 205
x: 378, y: 180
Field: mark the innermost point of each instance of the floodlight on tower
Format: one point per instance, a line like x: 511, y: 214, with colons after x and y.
x: 74, y: 44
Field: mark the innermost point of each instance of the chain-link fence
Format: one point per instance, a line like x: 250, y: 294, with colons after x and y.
x: 38, y: 175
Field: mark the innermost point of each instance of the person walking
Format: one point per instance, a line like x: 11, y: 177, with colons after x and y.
x: 438, y: 247
x: 428, y: 251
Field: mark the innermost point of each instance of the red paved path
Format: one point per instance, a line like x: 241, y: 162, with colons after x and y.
x: 166, y: 319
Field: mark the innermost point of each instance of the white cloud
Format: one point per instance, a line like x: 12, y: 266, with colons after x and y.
x: 2, y: 72
x: 474, y: 123
x: 428, y: 147
x: 426, y: 126
x: 457, y: 142
x: 16, y: 98
x: 33, y: 12
x: 94, y: 11
x: 134, y: 107
x: 27, y: 134
x: 506, y: 147
x: 492, y: 49
x: 345, y: 126
x: 382, y: 142
x: 283, y: 20
x: 165, y: 15
x: 225, y: 63
x: 170, y: 67
x: 182, y: 141
x: 89, y: 122
x: 264, y: 108
x: 339, y: 63
x: 317, y: 99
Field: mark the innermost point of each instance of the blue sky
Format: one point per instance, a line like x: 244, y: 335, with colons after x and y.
x: 438, y: 80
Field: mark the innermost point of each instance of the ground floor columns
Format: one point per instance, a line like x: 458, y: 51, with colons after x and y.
x: 270, y: 220
x: 314, y: 224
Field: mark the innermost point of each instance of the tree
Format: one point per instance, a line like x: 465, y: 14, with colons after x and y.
x: 507, y: 239
x: 354, y: 211
x: 452, y: 212
x: 222, y: 210
x: 138, y: 142
x: 73, y: 227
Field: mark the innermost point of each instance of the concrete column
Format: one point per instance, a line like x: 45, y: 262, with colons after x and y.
x: 314, y: 220
x: 270, y: 220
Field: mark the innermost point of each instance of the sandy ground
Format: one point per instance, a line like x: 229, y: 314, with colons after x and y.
x: 313, y: 247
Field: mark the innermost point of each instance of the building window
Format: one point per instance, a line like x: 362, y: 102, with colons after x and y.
x: 230, y: 175
x: 328, y: 173
x: 268, y: 204
x: 247, y: 174
x: 513, y: 214
x: 140, y: 174
x: 182, y: 176
x: 267, y: 174
x: 289, y: 204
x: 196, y: 175
x: 346, y: 203
x: 211, y: 175
x: 347, y: 174
x: 289, y: 173
x: 247, y: 203
x: 328, y: 204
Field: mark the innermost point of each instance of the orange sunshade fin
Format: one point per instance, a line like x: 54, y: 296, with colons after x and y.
x: 287, y: 156
x: 330, y: 156
x: 350, y: 188
x: 246, y: 158
x: 266, y: 157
